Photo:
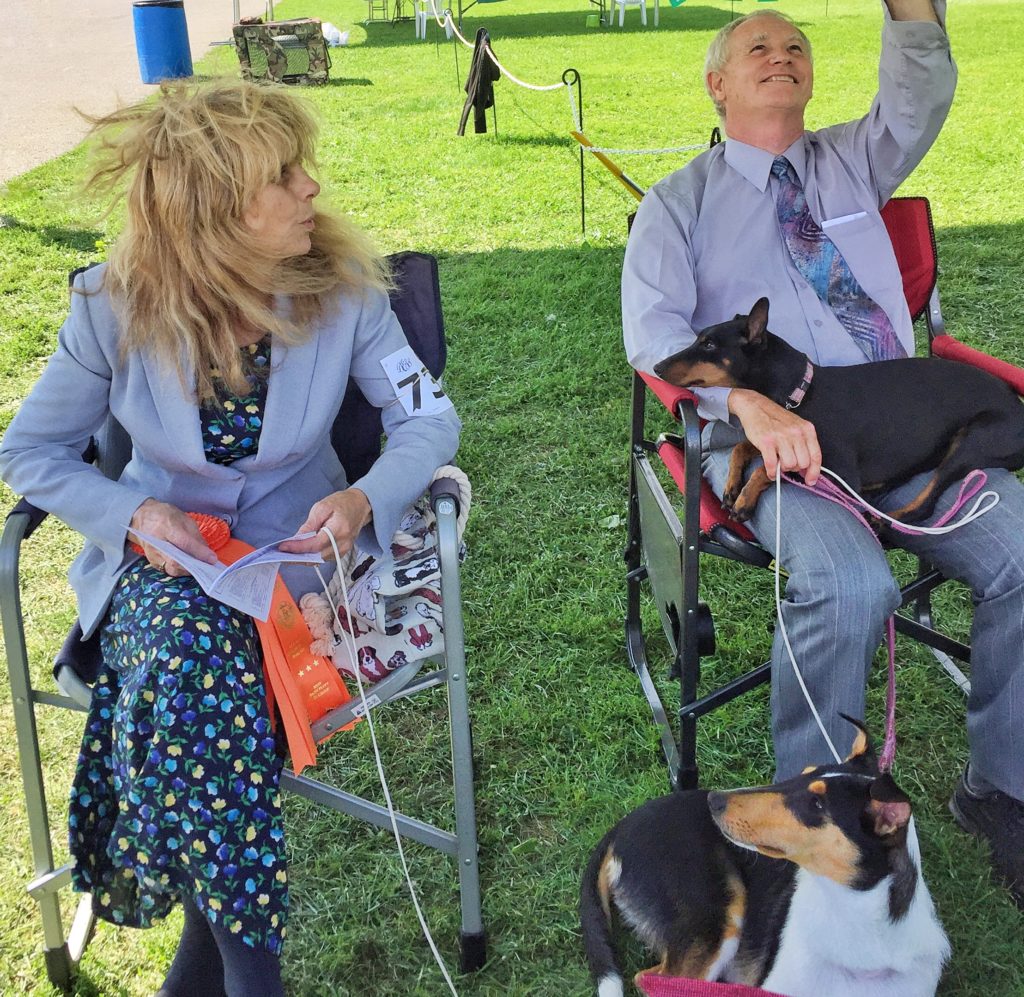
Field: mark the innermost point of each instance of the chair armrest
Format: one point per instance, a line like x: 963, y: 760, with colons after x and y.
x: 669, y: 395
x: 444, y: 488
x: 947, y: 347
x: 34, y: 513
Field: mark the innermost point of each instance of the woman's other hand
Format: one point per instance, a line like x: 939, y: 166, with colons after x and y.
x: 343, y: 513
x: 167, y: 522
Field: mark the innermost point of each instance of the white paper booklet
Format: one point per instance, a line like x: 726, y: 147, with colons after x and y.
x: 248, y: 584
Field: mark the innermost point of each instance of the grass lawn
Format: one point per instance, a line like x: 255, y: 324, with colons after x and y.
x: 563, y: 746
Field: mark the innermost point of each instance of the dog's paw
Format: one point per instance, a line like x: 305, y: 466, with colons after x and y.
x: 729, y: 497
x: 740, y: 511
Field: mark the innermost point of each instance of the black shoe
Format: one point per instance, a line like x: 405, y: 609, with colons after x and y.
x: 999, y: 820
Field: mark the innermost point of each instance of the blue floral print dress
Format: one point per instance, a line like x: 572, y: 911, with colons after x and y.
x: 176, y: 790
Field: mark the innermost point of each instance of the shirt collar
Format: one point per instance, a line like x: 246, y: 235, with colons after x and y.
x: 755, y: 165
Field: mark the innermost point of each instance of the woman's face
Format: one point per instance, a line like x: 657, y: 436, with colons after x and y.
x: 281, y: 215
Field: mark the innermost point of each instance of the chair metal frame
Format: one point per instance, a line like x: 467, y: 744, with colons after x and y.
x: 63, y: 949
x: 664, y: 548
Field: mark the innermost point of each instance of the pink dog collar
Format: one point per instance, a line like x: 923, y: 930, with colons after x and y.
x: 801, y: 389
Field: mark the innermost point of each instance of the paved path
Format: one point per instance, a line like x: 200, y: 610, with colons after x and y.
x: 61, y: 54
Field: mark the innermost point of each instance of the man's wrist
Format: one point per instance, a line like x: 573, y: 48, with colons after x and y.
x: 739, y: 400
x: 912, y: 10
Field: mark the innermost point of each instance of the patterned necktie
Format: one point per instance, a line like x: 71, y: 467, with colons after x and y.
x: 823, y: 267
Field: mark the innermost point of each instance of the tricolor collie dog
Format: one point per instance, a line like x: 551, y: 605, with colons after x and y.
x: 809, y: 888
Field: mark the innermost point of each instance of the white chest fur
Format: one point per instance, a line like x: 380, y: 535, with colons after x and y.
x: 842, y: 943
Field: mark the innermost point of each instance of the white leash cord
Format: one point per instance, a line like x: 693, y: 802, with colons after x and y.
x: 782, y: 622
x: 982, y: 504
x: 972, y: 514
x: 367, y: 713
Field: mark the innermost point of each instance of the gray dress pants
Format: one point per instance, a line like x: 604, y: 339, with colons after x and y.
x: 840, y: 593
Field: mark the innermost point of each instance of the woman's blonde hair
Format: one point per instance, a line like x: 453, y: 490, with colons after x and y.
x: 186, y: 272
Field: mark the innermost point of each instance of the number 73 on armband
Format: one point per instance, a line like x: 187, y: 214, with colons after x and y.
x: 413, y: 384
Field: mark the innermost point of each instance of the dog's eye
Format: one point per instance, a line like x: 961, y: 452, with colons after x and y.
x: 707, y: 346
x: 816, y: 802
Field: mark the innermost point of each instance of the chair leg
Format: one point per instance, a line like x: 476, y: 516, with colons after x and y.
x: 473, y: 938
x: 643, y: 12
x: 622, y: 12
x: 60, y: 966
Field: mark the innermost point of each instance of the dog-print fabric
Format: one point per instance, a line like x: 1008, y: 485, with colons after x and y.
x: 176, y: 790
x: 395, y: 602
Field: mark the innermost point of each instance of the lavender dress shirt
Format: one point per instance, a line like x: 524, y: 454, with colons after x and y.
x: 706, y: 244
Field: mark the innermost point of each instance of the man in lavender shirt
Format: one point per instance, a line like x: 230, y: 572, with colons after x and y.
x: 705, y: 245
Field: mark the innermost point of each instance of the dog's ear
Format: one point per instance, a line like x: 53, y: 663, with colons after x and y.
x: 863, y: 752
x: 888, y: 808
x: 757, y: 322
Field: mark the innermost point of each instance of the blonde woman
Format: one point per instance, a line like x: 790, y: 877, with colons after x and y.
x: 221, y: 334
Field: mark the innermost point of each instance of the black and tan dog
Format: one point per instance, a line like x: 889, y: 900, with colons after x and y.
x: 811, y: 887
x: 878, y: 424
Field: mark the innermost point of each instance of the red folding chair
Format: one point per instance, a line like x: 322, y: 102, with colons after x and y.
x: 664, y: 549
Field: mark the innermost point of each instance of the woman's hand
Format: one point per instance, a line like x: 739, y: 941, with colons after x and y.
x: 167, y: 522
x: 343, y: 513
x: 784, y: 439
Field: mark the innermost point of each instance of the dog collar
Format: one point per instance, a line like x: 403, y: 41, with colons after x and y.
x: 797, y: 395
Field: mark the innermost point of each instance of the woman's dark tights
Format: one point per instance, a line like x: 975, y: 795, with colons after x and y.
x: 211, y: 962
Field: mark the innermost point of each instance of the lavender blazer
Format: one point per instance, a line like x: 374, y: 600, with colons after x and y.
x: 263, y: 497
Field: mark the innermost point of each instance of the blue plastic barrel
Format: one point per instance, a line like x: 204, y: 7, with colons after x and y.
x: 161, y: 39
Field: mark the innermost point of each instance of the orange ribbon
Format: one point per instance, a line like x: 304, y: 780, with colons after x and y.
x: 303, y: 686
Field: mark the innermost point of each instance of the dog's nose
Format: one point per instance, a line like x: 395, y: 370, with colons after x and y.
x: 716, y: 802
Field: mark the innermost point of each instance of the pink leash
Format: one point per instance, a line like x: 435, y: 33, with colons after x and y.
x: 825, y: 488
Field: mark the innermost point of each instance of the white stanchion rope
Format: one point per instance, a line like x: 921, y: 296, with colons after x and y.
x: 448, y: 23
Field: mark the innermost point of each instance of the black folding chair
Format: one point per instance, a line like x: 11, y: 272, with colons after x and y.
x: 357, y: 438
x: 664, y: 548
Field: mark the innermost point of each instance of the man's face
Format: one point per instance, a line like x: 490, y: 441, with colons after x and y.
x: 768, y: 69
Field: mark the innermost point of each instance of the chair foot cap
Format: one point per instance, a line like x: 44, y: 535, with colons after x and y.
x: 60, y: 967
x: 474, y: 951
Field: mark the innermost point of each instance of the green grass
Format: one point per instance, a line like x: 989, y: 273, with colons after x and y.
x: 562, y: 742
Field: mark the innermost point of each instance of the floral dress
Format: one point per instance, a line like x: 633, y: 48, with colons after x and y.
x: 176, y: 790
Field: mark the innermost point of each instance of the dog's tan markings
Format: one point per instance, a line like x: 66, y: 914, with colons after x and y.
x: 929, y: 489
x: 708, y: 958
x: 810, y: 768
x: 742, y: 454
x: 607, y: 877
x: 860, y: 745
x: 698, y: 375
x: 818, y: 787
x: 743, y: 507
x: 736, y: 910
x: 914, y: 504
x: 763, y: 821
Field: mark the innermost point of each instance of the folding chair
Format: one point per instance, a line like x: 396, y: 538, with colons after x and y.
x: 283, y: 51
x: 664, y: 549
x: 356, y: 436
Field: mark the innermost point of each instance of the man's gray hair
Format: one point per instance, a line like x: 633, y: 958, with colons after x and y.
x: 718, y: 50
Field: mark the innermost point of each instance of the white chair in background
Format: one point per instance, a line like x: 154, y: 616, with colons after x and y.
x: 425, y: 11
x: 622, y: 4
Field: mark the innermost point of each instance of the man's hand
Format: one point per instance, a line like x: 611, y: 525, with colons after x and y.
x: 784, y: 439
x: 343, y: 513
x: 168, y: 522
